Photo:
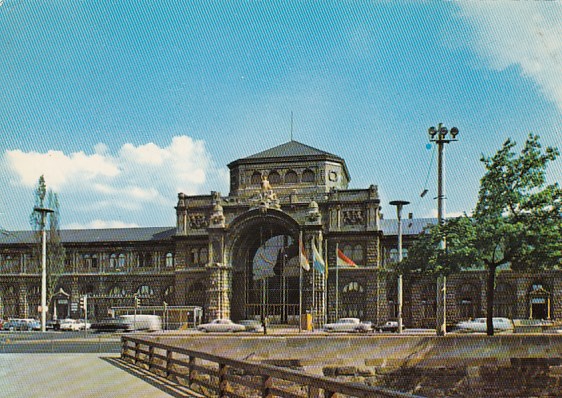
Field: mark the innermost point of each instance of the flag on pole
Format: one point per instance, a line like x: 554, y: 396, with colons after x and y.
x: 303, y: 259
x: 317, y: 261
x: 343, y: 260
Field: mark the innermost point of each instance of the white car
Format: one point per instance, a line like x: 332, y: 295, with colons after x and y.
x: 479, y: 325
x: 72, y: 325
x: 348, y: 325
x: 221, y: 325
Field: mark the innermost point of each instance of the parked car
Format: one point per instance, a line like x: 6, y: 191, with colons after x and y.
x: 348, y: 325
x: 129, y: 323
x: 252, y: 325
x: 479, y: 325
x: 21, y: 324
x: 53, y: 324
x: 221, y: 325
x: 112, y: 325
x: 389, y: 326
x: 137, y: 322
x: 71, y: 325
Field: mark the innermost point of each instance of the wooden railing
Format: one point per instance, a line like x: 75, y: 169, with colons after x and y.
x: 217, y: 376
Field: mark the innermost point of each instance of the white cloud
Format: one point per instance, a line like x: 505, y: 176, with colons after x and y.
x: 59, y: 169
x: 98, y: 224
x: 525, y: 34
x: 143, y: 180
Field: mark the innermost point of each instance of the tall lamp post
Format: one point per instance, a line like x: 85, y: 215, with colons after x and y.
x: 399, y: 205
x: 441, y: 136
x: 43, y: 211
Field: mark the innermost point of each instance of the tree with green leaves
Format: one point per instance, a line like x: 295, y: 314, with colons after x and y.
x: 518, y: 217
x: 517, y: 222
x: 428, y: 255
x: 55, y: 250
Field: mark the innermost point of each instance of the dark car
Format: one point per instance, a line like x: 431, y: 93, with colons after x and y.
x: 389, y: 326
x: 112, y: 325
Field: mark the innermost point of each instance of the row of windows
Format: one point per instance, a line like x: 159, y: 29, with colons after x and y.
x: 355, y: 253
x: 290, y: 177
x: 119, y: 260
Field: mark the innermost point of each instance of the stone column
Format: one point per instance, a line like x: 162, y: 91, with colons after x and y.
x: 23, y: 310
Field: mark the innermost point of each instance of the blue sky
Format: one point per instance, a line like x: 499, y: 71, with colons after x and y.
x: 121, y: 105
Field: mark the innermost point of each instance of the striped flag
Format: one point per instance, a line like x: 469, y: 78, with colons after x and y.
x: 343, y: 260
x: 317, y: 261
x: 303, y: 259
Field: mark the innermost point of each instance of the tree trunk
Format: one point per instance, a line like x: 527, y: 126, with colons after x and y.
x: 490, y: 300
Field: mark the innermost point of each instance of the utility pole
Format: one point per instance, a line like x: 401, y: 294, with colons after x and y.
x: 399, y: 205
x: 439, y: 136
x: 43, y: 211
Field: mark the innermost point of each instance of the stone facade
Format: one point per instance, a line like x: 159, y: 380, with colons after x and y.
x: 236, y: 256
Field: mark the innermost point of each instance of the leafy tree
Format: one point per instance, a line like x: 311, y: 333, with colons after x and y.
x: 55, y: 251
x: 517, y: 222
x: 518, y: 217
x: 428, y: 255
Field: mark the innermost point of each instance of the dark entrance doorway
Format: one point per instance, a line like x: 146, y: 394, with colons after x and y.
x: 265, y: 273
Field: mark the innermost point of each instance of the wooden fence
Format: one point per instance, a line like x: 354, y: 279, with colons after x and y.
x: 217, y: 376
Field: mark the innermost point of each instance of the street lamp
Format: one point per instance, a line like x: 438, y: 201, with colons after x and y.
x: 399, y: 205
x: 43, y: 211
x: 441, y: 136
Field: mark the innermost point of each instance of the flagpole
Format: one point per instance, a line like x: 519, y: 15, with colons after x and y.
x: 337, y: 281
x: 300, y: 284
x: 313, y: 288
x: 326, y: 282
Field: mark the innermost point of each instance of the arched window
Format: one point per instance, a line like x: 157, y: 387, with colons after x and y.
x: 348, y: 251
x: 274, y: 178
x: 256, y: 178
x: 169, y: 294
x: 467, y: 301
x: 428, y: 306
x: 169, y: 260
x: 113, y: 261
x: 194, y: 256
x: 358, y: 254
x: 291, y: 177
x: 203, y: 256
x: 145, y: 291
x: 121, y: 261
x: 504, y: 300
x: 196, y: 294
x: 353, y: 300
x: 393, y: 258
x: 117, y: 291
x: 308, y: 176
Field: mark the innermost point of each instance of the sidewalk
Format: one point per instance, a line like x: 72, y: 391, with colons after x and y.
x: 77, y: 375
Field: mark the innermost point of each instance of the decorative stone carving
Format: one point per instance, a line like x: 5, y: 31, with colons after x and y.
x: 353, y: 217
x: 198, y: 221
x: 267, y: 198
x: 217, y: 217
x: 314, y: 215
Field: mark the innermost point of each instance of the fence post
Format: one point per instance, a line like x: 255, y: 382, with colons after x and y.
x: 191, y: 371
x: 124, y: 344
x: 223, y: 383
x: 137, y: 352
x: 150, y: 356
x: 266, y: 384
x: 169, y: 354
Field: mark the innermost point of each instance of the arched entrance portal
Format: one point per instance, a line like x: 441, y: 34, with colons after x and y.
x: 265, y: 270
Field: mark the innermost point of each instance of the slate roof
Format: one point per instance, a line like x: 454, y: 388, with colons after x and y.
x: 292, y: 149
x: 143, y: 234
x: 410, y: 226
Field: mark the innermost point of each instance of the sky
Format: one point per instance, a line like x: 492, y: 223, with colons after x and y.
x: 122, y: 105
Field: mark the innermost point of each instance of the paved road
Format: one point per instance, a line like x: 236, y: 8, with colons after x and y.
x: 77, y: 375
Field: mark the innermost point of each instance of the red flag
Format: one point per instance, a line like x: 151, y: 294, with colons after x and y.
x: 343, y: 260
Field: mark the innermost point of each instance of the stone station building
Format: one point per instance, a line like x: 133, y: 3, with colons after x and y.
x: 237, y: 256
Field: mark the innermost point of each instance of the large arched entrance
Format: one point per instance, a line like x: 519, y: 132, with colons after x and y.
x: 263, y: 252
